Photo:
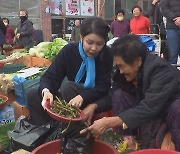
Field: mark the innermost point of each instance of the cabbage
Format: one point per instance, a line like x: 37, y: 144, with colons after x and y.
x: 43, y: 45
x: 48, y: 50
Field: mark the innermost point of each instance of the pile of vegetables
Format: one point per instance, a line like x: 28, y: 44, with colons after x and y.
x: 12, y: 57
x: 6, y: 82
x: 48, y: 50
x: 4, y: 138
x: 18, y: 54
x: 62, y: 108
x: 1, y: 100
x: 117, y: 141
x: 7, y: 47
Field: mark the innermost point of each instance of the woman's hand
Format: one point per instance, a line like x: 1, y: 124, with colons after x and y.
x: 89, y: 112
x: 18, y: 35
x: 154, y: 2
x: 177, y: 21
x: 97, y: 128
x: 76, y: 101
x: 47, y: 96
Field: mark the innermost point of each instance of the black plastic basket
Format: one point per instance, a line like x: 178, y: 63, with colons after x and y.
x: 11, y: 68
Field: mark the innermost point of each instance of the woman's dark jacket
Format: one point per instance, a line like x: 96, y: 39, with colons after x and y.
x: 25, y: 29
x: 158, y: 86
x: 68, y: 62
x: 171, y: 10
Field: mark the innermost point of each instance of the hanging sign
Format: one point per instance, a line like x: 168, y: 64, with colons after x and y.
x: 87, y: 7
x: 72, y: 7
x: 57, y: 7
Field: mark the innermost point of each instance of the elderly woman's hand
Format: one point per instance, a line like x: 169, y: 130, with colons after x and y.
x: 97, y: 128
x: 89, y: 112
x: 101, y: 125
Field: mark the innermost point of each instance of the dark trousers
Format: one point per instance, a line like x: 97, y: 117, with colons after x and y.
x: 38, y: 115
x: 122, y: 101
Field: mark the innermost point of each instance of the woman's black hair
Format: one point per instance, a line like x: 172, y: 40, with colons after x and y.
x: 94, y: 25
x: 5, y: 19
x: 129, y: 48
x: 24, y: 10
x: 120, y: 11
x: 137, y: 6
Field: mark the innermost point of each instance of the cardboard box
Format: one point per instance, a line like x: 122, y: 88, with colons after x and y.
x: 20, y: 110
x: 7, y: 115
x: 40, y: 62
x: 30, y: 61
x: 26, y: 60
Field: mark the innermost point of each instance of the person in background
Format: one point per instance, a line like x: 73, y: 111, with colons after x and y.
x: 2, y: 35
x: 9, y: 32
x: 87, y: 66
x: 154, y: 12
x: 145, y: 95
x: 120, y: 26
x: 75, y: 34
x: 158, y: 25
x: 139, y: 24
x: 156, y: 17
x: 24, y: 36
x: 171, y: 10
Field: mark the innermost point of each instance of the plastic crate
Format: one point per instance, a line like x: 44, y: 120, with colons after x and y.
x: 11, y: 68
x: 22, y: 87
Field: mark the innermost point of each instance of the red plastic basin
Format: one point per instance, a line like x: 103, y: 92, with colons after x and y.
x: 61, y: 118
x: 154, y: 151
x: 1, y: 65
x: 3, y: 104
x: 54, y: 148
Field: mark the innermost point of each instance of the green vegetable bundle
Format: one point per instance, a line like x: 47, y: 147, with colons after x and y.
x: 4, y: 138
x: 61, y: 108
x: 1, y: 100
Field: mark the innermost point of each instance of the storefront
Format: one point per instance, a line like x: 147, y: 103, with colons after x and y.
x: 57, y: 16
x: 63, y: 13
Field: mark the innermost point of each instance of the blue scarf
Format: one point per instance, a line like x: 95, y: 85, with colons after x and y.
x: 88, y: 66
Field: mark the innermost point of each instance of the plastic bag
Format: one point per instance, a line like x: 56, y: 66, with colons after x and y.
x: 76, y: 143
x: 28, y: 136
x: 149, y: 42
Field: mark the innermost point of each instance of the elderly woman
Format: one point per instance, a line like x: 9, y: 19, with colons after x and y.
x: 146, y: 92
x: 139, y: 24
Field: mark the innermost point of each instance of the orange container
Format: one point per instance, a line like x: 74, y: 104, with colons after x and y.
x: 154, y: 151
x: 40, y: 62
x: 3, y: 103
x: 53, y: 147
x: 30, y: 61
x: 26, y: 60
x: 11, y: 96
x: 1, y: 65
